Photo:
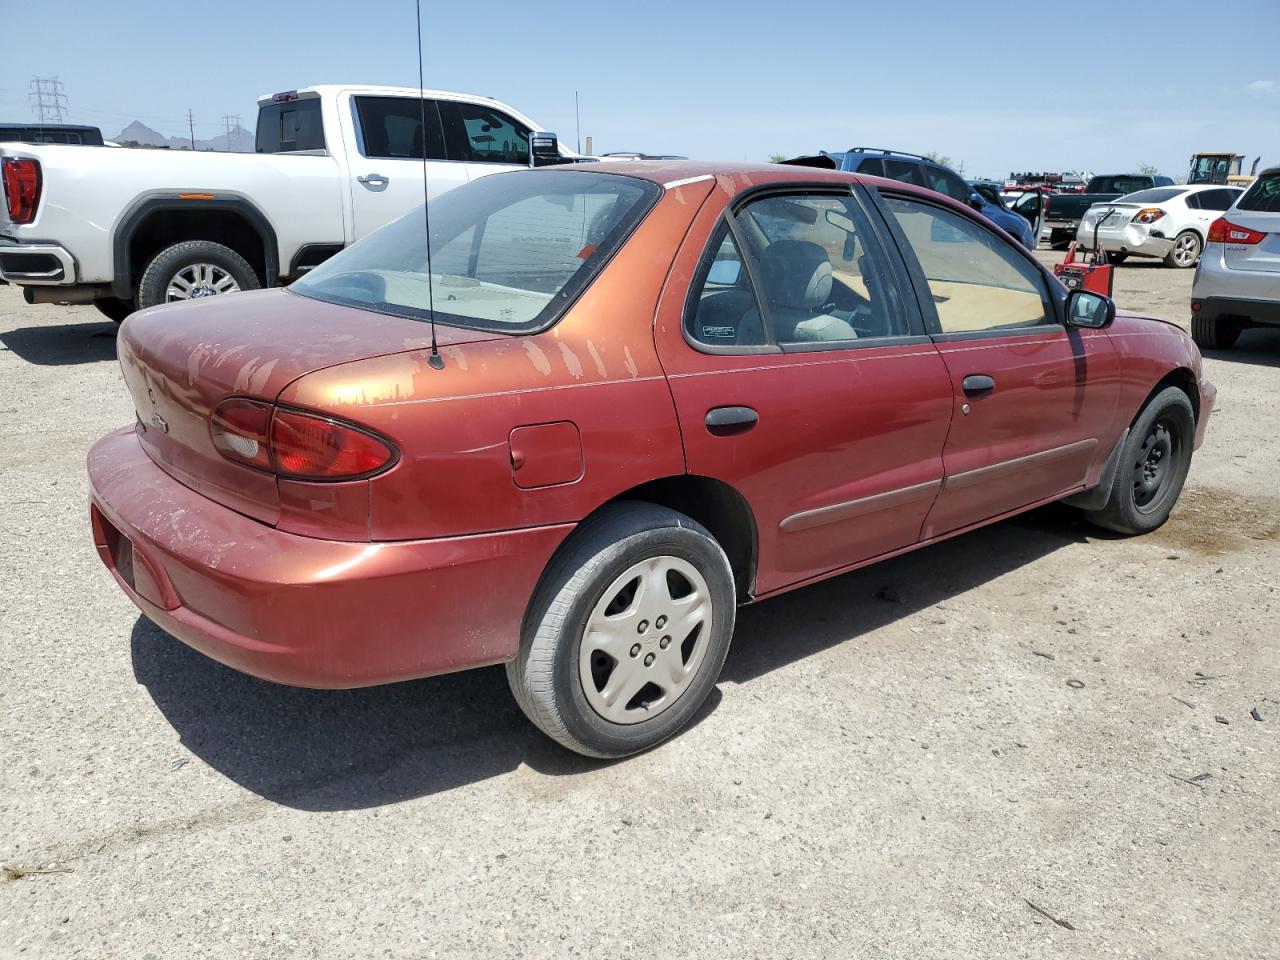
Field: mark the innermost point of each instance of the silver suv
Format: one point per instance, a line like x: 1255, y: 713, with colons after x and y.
x: 1237, y: 282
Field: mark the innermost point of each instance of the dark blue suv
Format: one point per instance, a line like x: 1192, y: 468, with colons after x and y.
x: 923, y: 172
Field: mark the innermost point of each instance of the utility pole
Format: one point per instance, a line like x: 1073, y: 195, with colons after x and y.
x: 577, y: 119
x: 47, y: 99
x: 191, y: 128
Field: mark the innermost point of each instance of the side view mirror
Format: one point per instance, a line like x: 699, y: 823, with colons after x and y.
x: 544, y: 149
x: 975, y: 201
x: 1090, y: 310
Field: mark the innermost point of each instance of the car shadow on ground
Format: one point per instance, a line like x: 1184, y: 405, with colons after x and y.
x: 353, y: 749
x: 1257, y: 345
x: 65, y: 344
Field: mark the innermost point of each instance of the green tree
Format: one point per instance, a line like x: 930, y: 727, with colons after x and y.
x: 1150, y: 169
x: 777, y: 157
x: 937, y: 157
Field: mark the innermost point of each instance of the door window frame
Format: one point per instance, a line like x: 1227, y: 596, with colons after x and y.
x: 895, y: 269
x: 1053, y: 294
x: 432, y: 110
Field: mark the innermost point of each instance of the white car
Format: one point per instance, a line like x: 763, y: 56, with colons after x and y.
x: 125, y: 229
x: 1168, y: 223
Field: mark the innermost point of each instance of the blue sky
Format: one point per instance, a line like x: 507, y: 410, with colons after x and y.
x: 726, y: 80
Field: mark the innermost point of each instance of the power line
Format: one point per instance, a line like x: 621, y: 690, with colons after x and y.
x: 47, y: 99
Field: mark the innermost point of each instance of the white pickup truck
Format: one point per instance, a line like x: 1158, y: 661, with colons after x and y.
x: 126, y: 229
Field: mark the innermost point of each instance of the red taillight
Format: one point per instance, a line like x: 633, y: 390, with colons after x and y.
x: 21, y: 177
x: 309, y: 447
x: 240, y: 430
x: 297, y: 445
x: 1223, y: 230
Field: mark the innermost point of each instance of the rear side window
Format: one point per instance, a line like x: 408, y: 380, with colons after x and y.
x: 977, y: 281
x: 872, y: 167
x: 1218, y: 199
x: 904, y: 170
x: 1263, y: 195
x: 481, y: 134
x: 290, y: 126
x: 391, y: 128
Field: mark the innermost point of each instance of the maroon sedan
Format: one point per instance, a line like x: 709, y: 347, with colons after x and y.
x: 651, y: 392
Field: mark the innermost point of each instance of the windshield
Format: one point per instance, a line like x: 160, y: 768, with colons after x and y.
x: 1154, y: 195
x: 509, y: 252
x: 1118, y: 184
x: 1263, y: 196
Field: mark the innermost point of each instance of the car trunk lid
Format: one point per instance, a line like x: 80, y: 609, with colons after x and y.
x: 1261, y: 257
x: 180, y: 362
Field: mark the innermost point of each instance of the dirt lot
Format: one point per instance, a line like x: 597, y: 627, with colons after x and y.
x: 929, y: 758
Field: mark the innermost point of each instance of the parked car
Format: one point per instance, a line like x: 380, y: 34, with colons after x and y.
x: 68, y: 133
x: 1237, y: 282
x: 609, y: 404
x: 1168, y: 223
x: 994, y: 193
x: 923, y: 172
x: 123, y: 229
x: 1064, y: 211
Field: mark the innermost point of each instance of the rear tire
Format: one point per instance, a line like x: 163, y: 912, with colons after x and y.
x: 626, y: 634
x: 1186, y: 250
x: 114, y: 308
x: 194, y: 269
x: 1115, y: 259
x: 1152, y: 467
x: 1211, y: 334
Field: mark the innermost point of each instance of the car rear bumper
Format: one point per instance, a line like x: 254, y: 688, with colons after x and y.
x: 42, y: 263
x: 1237, y: 308
x: 303, y: 611
x: 1133, y: 239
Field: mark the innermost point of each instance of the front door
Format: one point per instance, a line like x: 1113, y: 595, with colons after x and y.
x: 803, y: 379
x: 386, y: 169
x: 1034, y: 400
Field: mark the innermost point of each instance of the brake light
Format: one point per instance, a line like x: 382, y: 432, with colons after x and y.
x: 297, y: 445
x: 1148, y: 215
x: 1223, y: 230
x: 308, y: 447
x: 21, y: 177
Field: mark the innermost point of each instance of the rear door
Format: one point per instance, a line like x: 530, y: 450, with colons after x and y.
x: 802, y: 378
x: 386, y: 166
x: 1034, y: 401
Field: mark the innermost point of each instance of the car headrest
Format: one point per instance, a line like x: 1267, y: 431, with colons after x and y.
x: 795, y: 274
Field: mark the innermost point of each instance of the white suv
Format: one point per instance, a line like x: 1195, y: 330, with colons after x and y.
x: 1237, y: 282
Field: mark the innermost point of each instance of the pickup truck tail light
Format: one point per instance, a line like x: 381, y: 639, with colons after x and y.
x: 1148, y: 215
x: 297, y: 445
x: 1223, y: 230
x: 21, y: 177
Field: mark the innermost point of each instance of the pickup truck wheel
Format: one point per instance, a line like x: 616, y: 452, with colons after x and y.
x: 113, y: 308
x: 627, y: 632
x: 1153, y: 466
x: 194, y: 269
x: 1210, y: 334
x: 1186, y: 250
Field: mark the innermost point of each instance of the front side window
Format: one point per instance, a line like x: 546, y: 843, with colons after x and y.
x: 977, y: 281
x: 508, y: 252
x: 946, y: 184
x: 391, y: 128
x: 480, y: 134
x: 1263, y: 195
x: 815, y: 274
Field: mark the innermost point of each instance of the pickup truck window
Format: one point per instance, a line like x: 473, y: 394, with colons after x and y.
x: 290, y: 126
x: 391, y: 128
x: 480, y: 134
x: 508, y: 253
x: 1118, y: 184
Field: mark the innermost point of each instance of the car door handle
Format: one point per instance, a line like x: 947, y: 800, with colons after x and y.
x: 978, y: 383
x: 374, y: 179
x: 729, y: 421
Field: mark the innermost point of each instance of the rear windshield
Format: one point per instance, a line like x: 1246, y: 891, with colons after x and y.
x: 1263, y: 195
x: 1118, y: 184
x: 1154, y: 195
x: 85, y: 136
x: 290, y: 126
x: 509, y: 252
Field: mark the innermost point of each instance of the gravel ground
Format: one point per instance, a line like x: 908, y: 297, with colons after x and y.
x: 1031, y: 741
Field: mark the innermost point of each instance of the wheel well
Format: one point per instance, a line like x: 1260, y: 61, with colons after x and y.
x: 1184, y: 380
x: 718, y: 507
x: 164, y: 227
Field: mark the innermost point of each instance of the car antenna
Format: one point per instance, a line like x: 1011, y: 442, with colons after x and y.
x: 435, y: 361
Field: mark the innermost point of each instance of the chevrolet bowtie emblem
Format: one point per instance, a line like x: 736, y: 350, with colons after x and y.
x: 161, y: 422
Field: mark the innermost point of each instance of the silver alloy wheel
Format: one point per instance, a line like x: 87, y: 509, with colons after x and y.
x: 198, y: 280
x: 1186, y: 249
x: 645, y: 639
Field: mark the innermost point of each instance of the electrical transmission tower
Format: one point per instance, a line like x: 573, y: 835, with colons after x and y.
x: 47, y: 99
x: 232, y: 123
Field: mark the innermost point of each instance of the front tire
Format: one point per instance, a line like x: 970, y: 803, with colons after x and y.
x: 192, y: 270
x: 1210, y: 334
x: 627, y: 633
x: 1186, y: 250
x: 1153, y: 466
x: 114, y: 308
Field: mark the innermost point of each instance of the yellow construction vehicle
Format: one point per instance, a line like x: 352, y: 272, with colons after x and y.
x: 1221, y: 167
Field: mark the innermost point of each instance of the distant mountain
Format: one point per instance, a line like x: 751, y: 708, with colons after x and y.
x: 239, y: 141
